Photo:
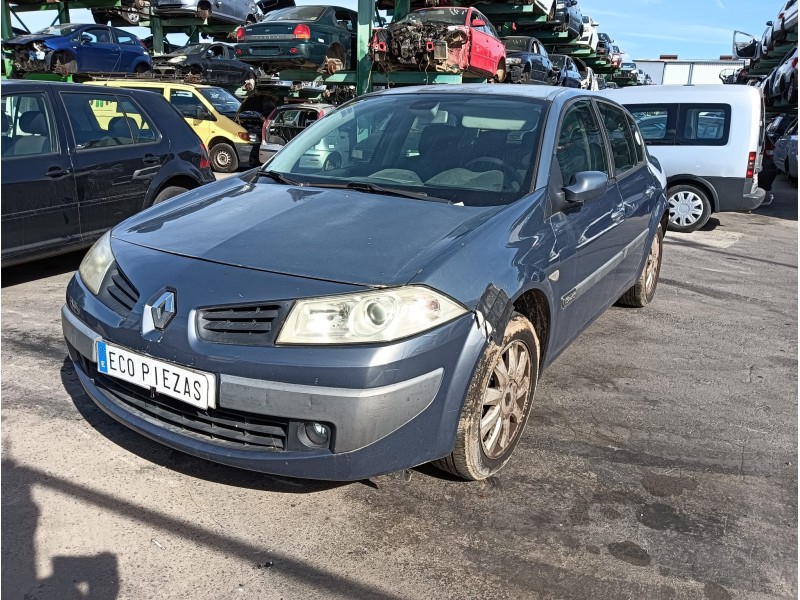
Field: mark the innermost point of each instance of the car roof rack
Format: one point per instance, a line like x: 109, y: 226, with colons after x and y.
x: 149, y: 76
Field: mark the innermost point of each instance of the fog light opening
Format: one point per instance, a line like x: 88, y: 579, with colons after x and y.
x: 317, y: 433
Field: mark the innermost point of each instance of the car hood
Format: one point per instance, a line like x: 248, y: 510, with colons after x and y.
x: 329, y: 234
x: 21, y: 40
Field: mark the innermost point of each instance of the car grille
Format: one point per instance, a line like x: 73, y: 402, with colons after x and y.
x: 118, y: 292
x: 250, y: 325
x: 223, y: 427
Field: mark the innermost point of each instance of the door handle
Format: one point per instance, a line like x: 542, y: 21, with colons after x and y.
x: 149, y: 159
x: 56, y: 172
x: 618, y: 214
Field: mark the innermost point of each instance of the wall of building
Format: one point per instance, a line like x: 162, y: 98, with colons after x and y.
x: 681, y: 72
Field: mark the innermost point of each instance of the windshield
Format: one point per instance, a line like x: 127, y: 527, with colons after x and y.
x: 451, y: 16
x: 515, y: 44
x: 628, y: 66
x: 558, y: 60
x: 299, y: 13
x: 471, y: 149
x: 187, y: 50
x: 64, y: 29
x: 222, y: 100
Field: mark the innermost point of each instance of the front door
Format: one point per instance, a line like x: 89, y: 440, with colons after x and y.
x: 99, y: 51
x: 39, y: 200
x: 586, y: 240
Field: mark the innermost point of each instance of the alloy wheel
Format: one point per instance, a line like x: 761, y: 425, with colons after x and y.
x: 505, y: 398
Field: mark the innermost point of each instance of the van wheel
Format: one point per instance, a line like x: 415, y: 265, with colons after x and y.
x: 497, y: 403
x: 689, y: 208
x: 167, y: 193
x: 223, y: 158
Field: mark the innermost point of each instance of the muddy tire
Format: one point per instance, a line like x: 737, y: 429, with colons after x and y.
x: 204, y: 11
x: 643, y: 291
x: 167, y: 193
x: 223, y: 158
x: 526, y: 76
x: 141, y: 68
x: 497, y: 404
x: 250, y: 83
x: 334, y: 53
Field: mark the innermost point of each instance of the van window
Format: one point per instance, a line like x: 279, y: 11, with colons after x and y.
x: 656, y: 122
x: 186, y: 103
x: 685, y: 124
x: 702, y: 124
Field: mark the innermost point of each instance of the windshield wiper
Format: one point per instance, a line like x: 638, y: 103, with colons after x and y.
x: 279, y: 177
x: 371, y: 188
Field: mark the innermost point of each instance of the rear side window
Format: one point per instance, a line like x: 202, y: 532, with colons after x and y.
x: 706, y: 125
x: 106, y: 120
x: 27, y: 126
x: 623, y: 146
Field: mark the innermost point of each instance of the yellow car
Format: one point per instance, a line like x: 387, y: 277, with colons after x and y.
x: 210, y: 112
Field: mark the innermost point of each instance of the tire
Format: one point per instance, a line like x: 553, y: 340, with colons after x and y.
x: 250, y: 82
x: 334, y: 161
x: 526, y: 76
x: 141, y: 68
x: 335, y: 52
x: 643, y: 291
x: 479, y: 454
x: 131, y: 16
x: 65, y: 63
x: 791, y: 91
x: 167, y: 193
x: 500, y: 73
x: 689, y: 208
x: 100, y: 18
x: 223, y: 158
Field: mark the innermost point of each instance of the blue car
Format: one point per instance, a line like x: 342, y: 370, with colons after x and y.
x: 395, y: 310
x: 75, y: 48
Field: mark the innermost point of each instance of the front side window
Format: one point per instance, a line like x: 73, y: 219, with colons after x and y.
x: 580, y: 142
x: 462, y: 148
x: 27, y: 126
x: 221, y: 99
x: 623, y: 147
x: 186, y: 102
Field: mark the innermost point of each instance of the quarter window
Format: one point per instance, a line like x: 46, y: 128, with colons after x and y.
x: 580, y: 142
x: 620, y: 136
x: 27, y: 126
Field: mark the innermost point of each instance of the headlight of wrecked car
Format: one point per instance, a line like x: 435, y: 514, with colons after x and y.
x: 177, y: 60
x: 95, y: 264
x: 513, y: 61
x: 367, y: 317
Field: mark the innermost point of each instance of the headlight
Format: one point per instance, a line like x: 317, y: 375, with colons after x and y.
x: 177, y: 60
x: 513, y: 61
x: 368, y: 317
x: 96, y: 262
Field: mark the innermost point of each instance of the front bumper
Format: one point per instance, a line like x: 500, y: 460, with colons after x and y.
x: 390, y: 407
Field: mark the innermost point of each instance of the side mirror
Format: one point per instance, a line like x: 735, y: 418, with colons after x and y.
x: 202, y: 113
x: 769, y: 23
x: 86, y: 39
x: 585, y: 187
x: 478, y: 23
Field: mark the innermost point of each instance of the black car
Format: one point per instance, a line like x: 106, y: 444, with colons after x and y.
x: 211, y: 63
x: 78, y: 159
x: 568, y: 17
x: 568, y: 73
x: 527, y: 60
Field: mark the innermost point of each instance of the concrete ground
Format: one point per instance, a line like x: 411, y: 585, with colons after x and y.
x: 661, y: 462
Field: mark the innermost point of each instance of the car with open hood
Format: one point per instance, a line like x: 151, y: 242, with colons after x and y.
x: 394, y: 311
x: 75, y: 48
x: 228, y: 128
x: 446, y: 40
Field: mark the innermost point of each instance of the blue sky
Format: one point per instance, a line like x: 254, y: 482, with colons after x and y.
x: 641, y: 28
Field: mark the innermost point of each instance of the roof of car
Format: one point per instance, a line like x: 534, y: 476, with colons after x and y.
x: 314, y: 105
x: 545, y: 92
x: 59, y: 85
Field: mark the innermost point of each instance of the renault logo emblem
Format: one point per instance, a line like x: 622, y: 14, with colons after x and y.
x: 163, y: 310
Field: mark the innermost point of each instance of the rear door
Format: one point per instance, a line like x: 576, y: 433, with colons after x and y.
x: 39, y: 199
x: 117, y: 153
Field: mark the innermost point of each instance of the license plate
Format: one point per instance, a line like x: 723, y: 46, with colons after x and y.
x: 193, y: 387
x: 266, y: 51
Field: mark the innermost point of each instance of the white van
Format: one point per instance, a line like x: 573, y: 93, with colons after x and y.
x: 708, y: 140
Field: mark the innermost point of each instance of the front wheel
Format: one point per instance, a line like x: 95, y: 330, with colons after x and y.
x: 689, y: 208
x: 167, y: 193
x: 223, y: 158
x: 131, y: 16
x: 643, y: 291
x: 497, y: 403
x: 500, y: 73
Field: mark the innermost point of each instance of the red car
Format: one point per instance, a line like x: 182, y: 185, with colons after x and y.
x: 443, y: 39
x: 616, y: 57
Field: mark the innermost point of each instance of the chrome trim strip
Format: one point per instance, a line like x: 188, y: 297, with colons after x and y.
x: 580, y: 289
